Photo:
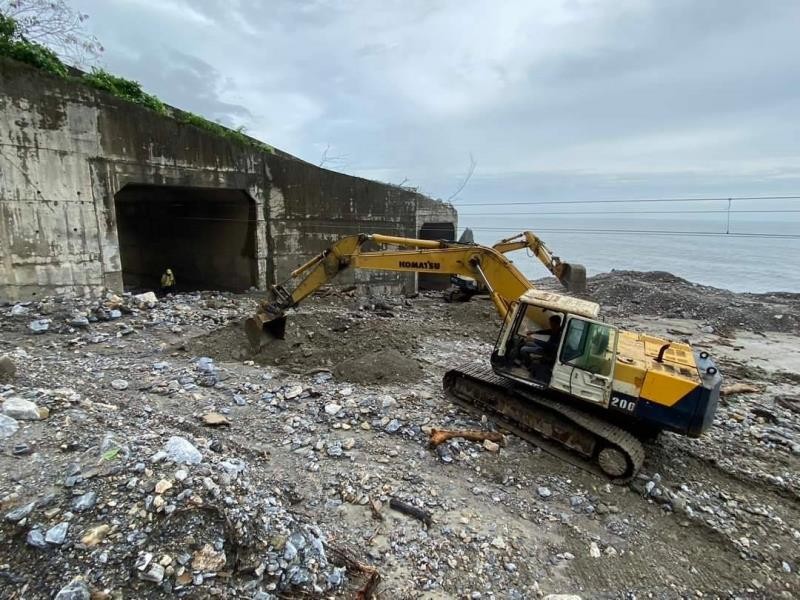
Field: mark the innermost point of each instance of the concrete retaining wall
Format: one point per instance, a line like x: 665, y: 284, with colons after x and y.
x: 67, y: 150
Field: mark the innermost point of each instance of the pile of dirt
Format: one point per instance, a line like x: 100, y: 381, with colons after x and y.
x: 357, y: 346
x: 665, y: 295
x: 384, y: 366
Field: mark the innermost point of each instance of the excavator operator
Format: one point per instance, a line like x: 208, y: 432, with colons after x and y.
x: 543, y: 352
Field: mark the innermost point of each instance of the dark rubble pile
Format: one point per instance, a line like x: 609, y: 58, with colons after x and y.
x: 662, y: 294
x: 159, y: 516
x: 75, y: 316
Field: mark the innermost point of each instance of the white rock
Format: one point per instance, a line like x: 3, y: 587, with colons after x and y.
x: 293, y: 392
x: 491, y: 446
x: 145, y: 300
x: 388, y: 401
x: 119, y: 384
x: 19, y: 408
x: 18, y: 310
x: 74, y: 590
x: 39, y: 326
x: 332, y: 408
x: 499, y: 542
x: 205, y: 364
x: 233, y: 466
x: 594, y: 550
x: 544, y: 492
x: 8, y: 426
x: 181, y: 450
x: 346, y: 391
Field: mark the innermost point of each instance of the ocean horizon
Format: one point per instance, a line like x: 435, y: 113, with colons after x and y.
x: 734, y: 262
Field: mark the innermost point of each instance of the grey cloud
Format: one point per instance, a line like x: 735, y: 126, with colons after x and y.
x: 552, y: 98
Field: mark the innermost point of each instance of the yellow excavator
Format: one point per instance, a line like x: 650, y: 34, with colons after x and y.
x: 559, y: 377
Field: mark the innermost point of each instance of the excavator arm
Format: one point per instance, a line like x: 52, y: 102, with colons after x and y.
x: 502, y: 279
x: 572, y: 276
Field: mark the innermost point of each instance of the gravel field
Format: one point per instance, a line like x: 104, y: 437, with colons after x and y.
x: 148, y: 453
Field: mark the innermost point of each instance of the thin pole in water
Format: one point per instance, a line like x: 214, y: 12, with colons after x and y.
x: 728, y: 226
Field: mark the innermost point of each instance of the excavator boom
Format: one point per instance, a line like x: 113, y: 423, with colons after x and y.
x: 504, y: 282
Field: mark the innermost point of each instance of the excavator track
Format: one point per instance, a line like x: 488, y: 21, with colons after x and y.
x: 578, y: 437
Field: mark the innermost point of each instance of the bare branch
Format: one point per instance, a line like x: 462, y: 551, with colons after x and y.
x: 467, y: 177
x: 56, y: 25
x: 335, y: 160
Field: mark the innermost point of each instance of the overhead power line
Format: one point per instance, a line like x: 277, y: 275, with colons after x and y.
x: 627, y: 212
x: 631, y: 201
x: 648, y: 232
x: 366, y: 227
x: 546, y: 213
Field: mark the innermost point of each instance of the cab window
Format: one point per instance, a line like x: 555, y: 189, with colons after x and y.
x: 589, y: 346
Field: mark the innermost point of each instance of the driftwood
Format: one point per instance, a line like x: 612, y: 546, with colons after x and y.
x: 740, y: 388
x: 440, y: 436
x: 412, y: 511
x: 367, y: 591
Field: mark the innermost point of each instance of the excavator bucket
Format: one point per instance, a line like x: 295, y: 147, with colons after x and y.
x: 264, y: 327
x: 573, y: 277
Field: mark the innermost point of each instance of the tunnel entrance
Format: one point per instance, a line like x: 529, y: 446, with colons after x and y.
x: 435, y: 231
x: 206, y: 235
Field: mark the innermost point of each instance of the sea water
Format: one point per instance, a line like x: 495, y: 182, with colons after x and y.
x: 743, y: 264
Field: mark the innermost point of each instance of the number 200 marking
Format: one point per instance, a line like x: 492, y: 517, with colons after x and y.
x: 623, y: 404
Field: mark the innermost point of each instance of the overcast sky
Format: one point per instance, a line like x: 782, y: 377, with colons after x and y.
x: 554, y: 99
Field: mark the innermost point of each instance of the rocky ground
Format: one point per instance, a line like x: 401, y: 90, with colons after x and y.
x: 146, y: 452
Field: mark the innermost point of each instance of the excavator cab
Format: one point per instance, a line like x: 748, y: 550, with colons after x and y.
x: 553, y: 341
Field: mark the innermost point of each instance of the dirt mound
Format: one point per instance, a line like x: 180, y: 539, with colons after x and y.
x: 666, y: 295
x: 384, y: 366
x: 225, y: 344
x: 357, y: 346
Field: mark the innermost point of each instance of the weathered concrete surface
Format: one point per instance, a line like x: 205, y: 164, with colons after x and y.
x: 66, y: 152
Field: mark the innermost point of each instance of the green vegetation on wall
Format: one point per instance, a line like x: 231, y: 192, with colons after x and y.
x: 15, y: 46
x: 123, y: 88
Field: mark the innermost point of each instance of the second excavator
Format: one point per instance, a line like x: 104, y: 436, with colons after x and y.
x: 559, y: 377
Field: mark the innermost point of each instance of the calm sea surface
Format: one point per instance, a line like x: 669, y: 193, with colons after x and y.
x: 751, y: 264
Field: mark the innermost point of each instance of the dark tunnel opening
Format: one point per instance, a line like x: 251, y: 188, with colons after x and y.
x: 435, y: 231
x: 207, y: 236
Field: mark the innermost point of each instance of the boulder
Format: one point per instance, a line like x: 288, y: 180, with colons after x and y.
x: 19, y: 408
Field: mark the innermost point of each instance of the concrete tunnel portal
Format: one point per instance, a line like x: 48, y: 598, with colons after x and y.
x: 206, y: 235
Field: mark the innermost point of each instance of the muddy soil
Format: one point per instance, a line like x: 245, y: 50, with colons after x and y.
x: 365, y: 343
